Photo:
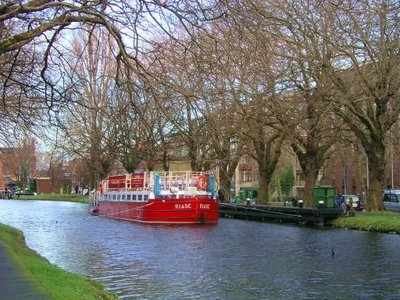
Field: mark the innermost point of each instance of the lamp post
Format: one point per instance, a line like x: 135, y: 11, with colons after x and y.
x: 345, y: 179
x: 366, y: 192
x: 392, y: 161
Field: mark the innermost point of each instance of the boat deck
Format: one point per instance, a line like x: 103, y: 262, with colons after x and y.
x: 265, y: 213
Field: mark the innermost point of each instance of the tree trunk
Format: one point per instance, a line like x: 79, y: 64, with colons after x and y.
x: 194, y: 162
x: 165, y: 160
x: 227, y: 170
x: 93, y: 166
x: 375, y: 192
x: 310, y: 178
x: 263, y: 194
x: 376, y: 170
x: 226, y: 188
x: 311, y: 162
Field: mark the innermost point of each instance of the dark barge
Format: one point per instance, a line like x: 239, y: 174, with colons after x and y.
x: 266, y: 213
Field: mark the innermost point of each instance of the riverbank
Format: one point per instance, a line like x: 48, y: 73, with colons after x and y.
x: 48, y: 279
x: 55, y: 197
x: 385, y: 222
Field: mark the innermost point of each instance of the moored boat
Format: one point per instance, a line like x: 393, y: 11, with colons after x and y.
x: 158, y: 198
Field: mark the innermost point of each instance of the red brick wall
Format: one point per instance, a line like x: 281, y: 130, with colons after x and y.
x: 44, y: 186
x: 2, y: 184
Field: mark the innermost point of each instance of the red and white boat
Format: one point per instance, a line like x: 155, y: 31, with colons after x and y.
x: 158, y: 198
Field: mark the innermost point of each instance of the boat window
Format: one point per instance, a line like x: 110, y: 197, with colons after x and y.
x: 134, y: 197
x: 128, y: 197
x: 123, y: 197
x: 145, y: 197
x: 114, y: 197
x: 119, y: 197
x: 139, y: 197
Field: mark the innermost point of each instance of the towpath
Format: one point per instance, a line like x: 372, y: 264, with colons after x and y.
x: 13, y: 284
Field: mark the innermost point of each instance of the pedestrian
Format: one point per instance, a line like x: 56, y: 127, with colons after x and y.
x: 221, y: 197
x: 343, y: 206
x: 350, y: 209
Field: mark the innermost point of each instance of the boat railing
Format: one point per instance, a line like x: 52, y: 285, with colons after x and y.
x: 148, y: 188
x: 183, y: 181
x: 186, y: 174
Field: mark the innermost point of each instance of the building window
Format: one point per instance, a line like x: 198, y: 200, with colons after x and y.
x: 299, y: 178
x: 245, y: 159
x: 128, y: 197
x: 247, y: 176
x: 139, y: 197
x: 299, y: 175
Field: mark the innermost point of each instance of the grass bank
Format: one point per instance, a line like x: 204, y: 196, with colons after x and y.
x: 48, y: 278
x: 55, y: 197
x: 370, y: 221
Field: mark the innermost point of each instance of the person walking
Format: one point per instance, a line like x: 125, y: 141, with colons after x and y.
x: 221, y: 197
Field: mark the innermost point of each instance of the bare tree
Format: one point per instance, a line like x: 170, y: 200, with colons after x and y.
x: 34, y: 35
x: 254, y: 73
x: 19, y: 161
x: 305, y: 113
x: 364, y: 37
x: 350, y: 52
x: 264, y: 141
x: 141, y: 128
x: 85, y: 127
x: 178, y: 96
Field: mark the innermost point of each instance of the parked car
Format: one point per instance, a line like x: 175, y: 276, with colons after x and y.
x: 353, y: 201
x: 391, y: 199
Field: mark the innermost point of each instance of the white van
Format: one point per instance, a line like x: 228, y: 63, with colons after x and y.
x: 391, y: 199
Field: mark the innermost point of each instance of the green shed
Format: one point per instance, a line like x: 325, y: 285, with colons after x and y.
x: 32, y: 186
x: 248, y: 193
x: 324, y: 196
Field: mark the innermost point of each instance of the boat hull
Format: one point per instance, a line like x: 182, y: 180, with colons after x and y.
x: 184, y: 210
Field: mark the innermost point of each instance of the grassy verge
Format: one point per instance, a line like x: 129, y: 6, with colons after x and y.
x: 48, y: 278
x: 370, y: 221
x: 55, y: 197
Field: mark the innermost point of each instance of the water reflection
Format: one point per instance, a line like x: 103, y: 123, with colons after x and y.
x: 233, y: 260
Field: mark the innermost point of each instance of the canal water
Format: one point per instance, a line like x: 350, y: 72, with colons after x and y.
x: 232, y: 260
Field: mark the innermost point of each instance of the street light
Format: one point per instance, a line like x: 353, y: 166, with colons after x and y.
x: 392, y: 160
x: 366, y: 192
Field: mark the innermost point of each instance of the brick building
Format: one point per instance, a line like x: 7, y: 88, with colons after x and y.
x: 2, y: 182
x: 346, y: 170
x: 18, y: 164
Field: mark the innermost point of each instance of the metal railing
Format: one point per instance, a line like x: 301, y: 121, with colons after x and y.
x: 172, y: 180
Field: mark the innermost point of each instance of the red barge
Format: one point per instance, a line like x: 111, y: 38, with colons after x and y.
x: 158, y: 198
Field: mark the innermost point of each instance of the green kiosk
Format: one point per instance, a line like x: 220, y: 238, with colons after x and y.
x: 246, y: 194
x: 324, y: 196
